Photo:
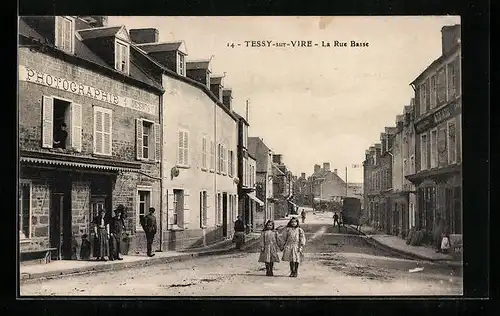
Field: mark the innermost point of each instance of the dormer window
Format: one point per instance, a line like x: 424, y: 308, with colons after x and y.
x: 122, y: 56
x: 181, y: 65
x: 65, y: 33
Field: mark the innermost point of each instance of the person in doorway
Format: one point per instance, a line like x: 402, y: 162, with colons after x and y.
x: 117, y: 227
x: 336, y: 220
x: 101, y: 230
x: 269, y: 246
x: 150, y: 229
x: 303, y: 215
x: 239, y: 232
x: 60, y: 136
x: 295, y: 240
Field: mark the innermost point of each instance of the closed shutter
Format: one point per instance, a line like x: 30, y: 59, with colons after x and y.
x: 201, y: 209
x: 76, y: 126
x: 209, y: 209
x: 417, y: 101
x: 47, y: 122
x: 458, y: 80
x: 139, y: 139
x: 107, y: 128
x: 204, y: 152
x: 186, y: 213
x: 98, y: 131
x: 186, y: 148
x: 157, y: 134
x: 59, y: 31
x: 170, y: 209
x: 180, y: 148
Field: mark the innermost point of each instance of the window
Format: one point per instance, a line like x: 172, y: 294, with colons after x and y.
x: 212, y: 155
x: 65, y: 34
x: 405, y: 167
x: 102, y: 130
x: 148, y: 140
x: 143, y: 205
x: 434, y: 150
x: 423, y: 101
x: 224, y: 159
x: 441, y: 86
x: 412, y: 164
x: 452, y: 79
x: 61, y: 124
x: 423, y: 152
x: 220, y: 158
x: 452, y: 142
x: 25, y: 210
x: 204, y: 153
x: 203, y: 209
x: 121, y: 56
x: 178, y: 208
x: 231, y: 163
x: 433, y: 91
x: 181, y: 64
x: 219, y: 209
x: 183, y: 148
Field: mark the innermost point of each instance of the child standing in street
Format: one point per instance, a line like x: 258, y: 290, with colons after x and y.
x: 269, y: 246
x: 445, y: 243
x: 295, y: 240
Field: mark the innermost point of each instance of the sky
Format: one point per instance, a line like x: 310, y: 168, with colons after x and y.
x: 312, y: 104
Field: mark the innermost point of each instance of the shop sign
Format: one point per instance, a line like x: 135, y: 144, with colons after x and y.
x: 449, y: 111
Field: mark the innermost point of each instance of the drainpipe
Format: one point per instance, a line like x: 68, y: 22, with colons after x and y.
x: 160, y: 113
x: 216, y: 163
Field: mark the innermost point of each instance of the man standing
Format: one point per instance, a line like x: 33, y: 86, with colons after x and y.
x: 336, y: 220
x: 60, y: 136
x: 150, y: 230
x: 117, y: 227
x: 239, y: 232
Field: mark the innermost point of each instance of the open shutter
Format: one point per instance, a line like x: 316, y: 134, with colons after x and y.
x: 107, y: 121
x: 201, y: 209
x: 186, y: 148
x: 47, y: 122
x: 157, y: 133
x: 170, y: 209
x: 98, y: 131
x: 209, y: 209
x: 138, y: 138
x: 59, y: 31
x: 186, y: 215
x: 180, y: 148
x: 76, y: 126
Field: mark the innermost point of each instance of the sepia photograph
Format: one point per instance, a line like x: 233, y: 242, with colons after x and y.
x: 248, y: 156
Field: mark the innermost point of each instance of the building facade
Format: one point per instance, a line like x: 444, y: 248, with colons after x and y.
x: 438, y: 154
x: 81, y: 96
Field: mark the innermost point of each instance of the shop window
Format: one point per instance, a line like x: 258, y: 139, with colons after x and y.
x: 148, y: 138
x: 61, y: 124
x: 103, y: 125
x: 143, y: 205
x: 65, y: 33
x: 25, y: 210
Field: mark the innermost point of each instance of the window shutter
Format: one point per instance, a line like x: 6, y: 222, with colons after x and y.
x: 207, y: 215
x: 456, y: 65
x: 201, y: 209
x: 157, y: 133
x: 76, y: 126
x: 186, y: 148
x: 59, y: 31
x: 47, y: 122
x: 186, y: 216
x: 180, y: 149
x: 139, y: 140
x: 98, y: 132
x: 117, y: 56
x: 204, y: 152
x: 107, y: 122
x: 170, y: 209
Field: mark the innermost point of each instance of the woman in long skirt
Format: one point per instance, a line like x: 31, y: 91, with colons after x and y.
x: 295, y: 240
x: 101, y: 229
x: 269, y: 246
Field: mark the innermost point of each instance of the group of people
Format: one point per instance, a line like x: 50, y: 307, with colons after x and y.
x: 109, y: 233
x: 291, y: 241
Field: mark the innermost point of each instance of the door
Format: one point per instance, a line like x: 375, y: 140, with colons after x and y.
x: 224, y: 214
x: 97, y: 204
x: 60, y: 226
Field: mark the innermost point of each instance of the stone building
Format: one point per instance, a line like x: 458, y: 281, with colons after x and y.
x: 199, y: 179
x: 326, y: 184
x: 438, y: 125
x: 86, y: 80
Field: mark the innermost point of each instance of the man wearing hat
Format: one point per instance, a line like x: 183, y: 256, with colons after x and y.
x: 117, y: 227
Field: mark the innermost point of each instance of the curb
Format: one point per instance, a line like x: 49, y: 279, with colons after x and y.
x: 27, y: 278
x: 407, y: 254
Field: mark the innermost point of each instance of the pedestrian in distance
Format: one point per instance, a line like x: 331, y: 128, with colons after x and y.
x: 303, y: 215
x: 294, y: 242
x: 101, y: 230
x: 445, y: 242
x: 117, y: 227
x: 239, y: 233
x: 269, y: 247
x: 336, y: 220
x: 150, y: 229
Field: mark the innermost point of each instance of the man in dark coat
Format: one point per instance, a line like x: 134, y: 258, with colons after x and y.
x: 239, y: 232
x: 150, y: 229
x: 117, y: 227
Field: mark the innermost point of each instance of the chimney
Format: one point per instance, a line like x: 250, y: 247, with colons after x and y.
x: 216, y: 86
x: 317, y: 168
x: 450, y: 35
x: 227, y: 98
x: 335, y: 171
x: 96, y: 20
x: 326, y: 166
x: 199, y: 71
x: 303, y: 175
x: 146, y: 35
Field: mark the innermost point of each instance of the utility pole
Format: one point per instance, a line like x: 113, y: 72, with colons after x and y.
x: 246, y: 113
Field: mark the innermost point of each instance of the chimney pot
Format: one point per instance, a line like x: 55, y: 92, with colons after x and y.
x: 326, y: 166
x: 335, y: 171
x: 142, y: 36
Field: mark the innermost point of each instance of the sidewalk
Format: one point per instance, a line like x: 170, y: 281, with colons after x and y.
x: 61, y: 268
x: 397, y: 244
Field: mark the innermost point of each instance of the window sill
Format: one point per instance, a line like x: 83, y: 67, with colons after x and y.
x: 25, y: 241
x: 212, y: 171
x: 101, y: 155
x: 204, y: 169
x: 148, y: 161
x: 182, y: 166
x: 176, y: 228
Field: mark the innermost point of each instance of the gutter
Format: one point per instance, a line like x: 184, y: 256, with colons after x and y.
x: 160, y: 113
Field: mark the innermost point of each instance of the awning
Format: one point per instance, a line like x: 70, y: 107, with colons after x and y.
x: 76, y: 165
x: 256, y: 199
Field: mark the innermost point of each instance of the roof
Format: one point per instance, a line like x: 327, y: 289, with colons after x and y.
x: 163, y: 47
x: 438, y: 61
x: 216, y: 80
x: 97, y: 32
x: 203, y: 64
x: 227, y: 92
x: 241, y: 118
x: 27, y: 31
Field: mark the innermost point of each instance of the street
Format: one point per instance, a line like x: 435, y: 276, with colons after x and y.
x: 336, y: 264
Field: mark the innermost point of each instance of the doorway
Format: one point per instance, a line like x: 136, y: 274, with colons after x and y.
x: 224, y: 214
x: 60, y: 225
